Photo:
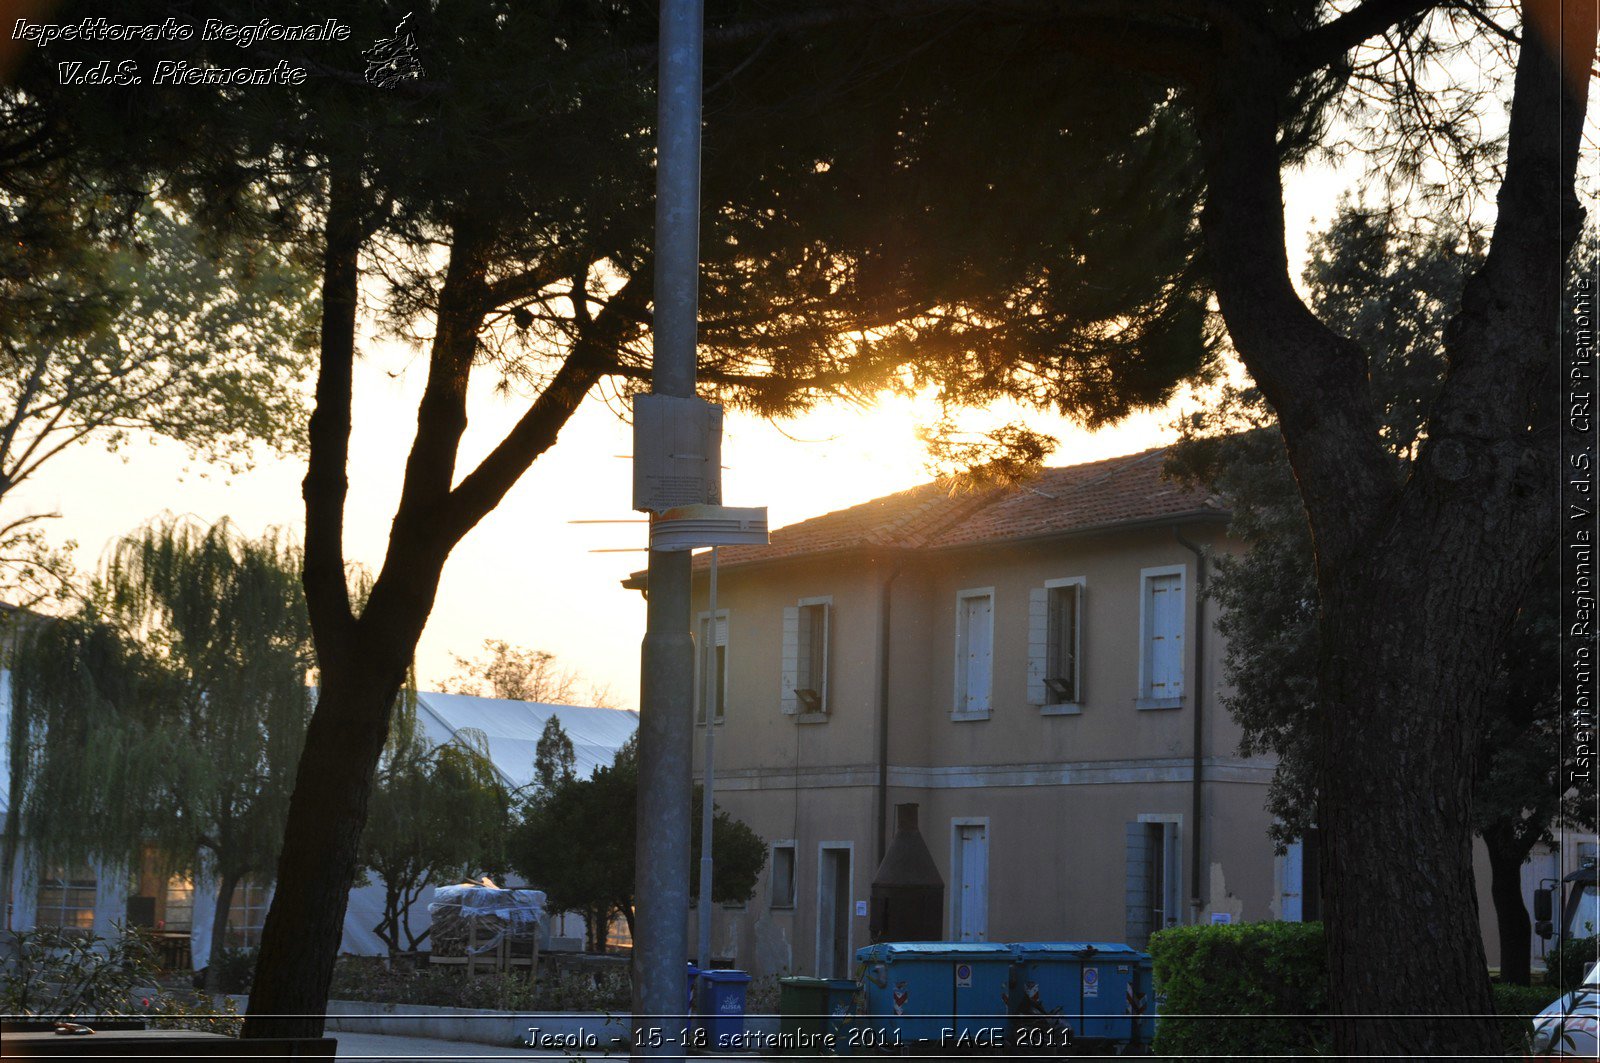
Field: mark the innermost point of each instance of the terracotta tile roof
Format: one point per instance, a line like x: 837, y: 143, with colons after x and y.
x: 1055, y: 501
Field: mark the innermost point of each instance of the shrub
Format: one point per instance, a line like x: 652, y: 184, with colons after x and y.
x: 371, y: 979
x: 1566, y: 964
x: 236, y: 970
x: 1270, y: 975
x: 58, y: 974
x: 1516, y: 1005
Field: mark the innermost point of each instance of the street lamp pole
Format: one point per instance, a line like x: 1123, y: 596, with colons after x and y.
x: 709, y: 783
x: 666, y: 730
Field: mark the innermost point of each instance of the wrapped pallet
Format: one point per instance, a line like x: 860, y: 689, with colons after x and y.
x: 473, y: 921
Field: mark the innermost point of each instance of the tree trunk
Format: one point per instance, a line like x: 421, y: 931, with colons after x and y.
x: 219, y: 930
x: 322, y: 839
x: 1396, y: 801
x: 1506, y: 857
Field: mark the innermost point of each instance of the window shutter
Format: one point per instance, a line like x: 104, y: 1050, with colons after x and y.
x: 1038, y: 644
x: 1136, y: 887
x: 827, y: 645
x: 791, y: 660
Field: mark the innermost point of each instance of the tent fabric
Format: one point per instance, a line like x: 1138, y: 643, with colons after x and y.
x: 512, y: 730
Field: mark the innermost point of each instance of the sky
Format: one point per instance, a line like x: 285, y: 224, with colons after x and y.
x: 527, y: 574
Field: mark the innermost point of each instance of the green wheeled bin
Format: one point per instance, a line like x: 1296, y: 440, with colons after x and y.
x: 815, y: 1015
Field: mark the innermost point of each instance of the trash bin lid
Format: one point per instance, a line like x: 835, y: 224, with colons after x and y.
x: 1075, y: 950
x: 889, y: 951
x: 724, y: 976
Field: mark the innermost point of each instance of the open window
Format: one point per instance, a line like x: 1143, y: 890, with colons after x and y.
x: 1055, y: 645
x: 718, y: 694
x: 805, y: 656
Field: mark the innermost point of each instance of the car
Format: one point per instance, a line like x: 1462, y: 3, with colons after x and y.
x: 1571, y: 1026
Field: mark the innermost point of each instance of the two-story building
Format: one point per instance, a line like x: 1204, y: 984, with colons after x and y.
x: 1036, y: 668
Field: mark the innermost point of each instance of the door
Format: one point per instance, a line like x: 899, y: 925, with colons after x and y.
x: 833, y: 914
x: 972, y: 882
x: 1291, y: 906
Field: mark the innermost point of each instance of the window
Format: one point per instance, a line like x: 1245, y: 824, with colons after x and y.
x: 974, y: 653
x: 1161, y: 638
x: 66, y: 900
x: 1154, y: 866
x: 805, y: 656
x: 719, y: 667
x: 247, y: 913
x: 783, y: 875
x: 1055, y: 640
x: 179, y: 906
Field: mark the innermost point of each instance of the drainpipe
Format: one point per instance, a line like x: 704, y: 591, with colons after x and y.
x: 885, y: 596
x: 1195, y: 801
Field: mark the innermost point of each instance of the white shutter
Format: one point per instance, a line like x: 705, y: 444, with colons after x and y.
x: 980, y: 652
x: 827, y: 644
x: 1038, y: 644
x: 1166, y: 636
x: 791, y: 660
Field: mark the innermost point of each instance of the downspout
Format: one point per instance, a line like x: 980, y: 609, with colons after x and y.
x: 885, y: 596
x: 1195, y: 801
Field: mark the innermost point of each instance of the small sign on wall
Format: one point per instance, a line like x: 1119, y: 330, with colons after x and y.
x: 861, y: 907
x: 1221, y: 918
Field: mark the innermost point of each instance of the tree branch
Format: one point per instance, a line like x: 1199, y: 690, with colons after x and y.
x: 483, y: 488
x: 327, y: 484
x: 1327, y: 44
x: 1315, y: 379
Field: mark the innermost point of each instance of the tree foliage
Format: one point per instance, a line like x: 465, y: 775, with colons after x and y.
x: 554, y: 758
x: 438, y: 813
x: 168, y: 712
x: 576, y: 843
x: 521, y: 674
x: 1391, y: 290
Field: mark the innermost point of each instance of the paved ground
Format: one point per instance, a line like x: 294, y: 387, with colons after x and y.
x: 385, y: 1048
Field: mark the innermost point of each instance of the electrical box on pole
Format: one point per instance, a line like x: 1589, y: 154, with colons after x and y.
x: 677, y: 453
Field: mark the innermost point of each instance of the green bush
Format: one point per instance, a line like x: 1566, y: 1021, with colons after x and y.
x: 1566, y: 964
x: 236, y: 970
x: 55, y: 974
x: 1270, y: 975
x: 371, y: 979
x: 1516, y: 1005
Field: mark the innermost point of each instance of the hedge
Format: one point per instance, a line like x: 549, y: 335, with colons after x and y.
x: 1273, y: 977
x: 1270, y: 975
x: 1516, y: 1004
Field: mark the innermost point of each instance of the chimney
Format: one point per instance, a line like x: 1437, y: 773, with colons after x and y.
x: 907, y: 891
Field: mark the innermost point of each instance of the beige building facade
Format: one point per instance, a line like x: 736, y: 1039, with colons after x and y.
x: 1038, y: 670
x: 1035, y: 669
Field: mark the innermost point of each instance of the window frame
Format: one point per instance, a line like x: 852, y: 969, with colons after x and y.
x: 67, y: 887
x: 1042, y: 658
x: 1145, y: 698
x: 806, y: 652
x: 721, y: 631
x: 773, y: 901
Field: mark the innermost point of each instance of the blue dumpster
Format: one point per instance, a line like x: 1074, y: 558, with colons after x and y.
x: 721, y: 1014
x: 950, y: 994
x: 1100, y: 990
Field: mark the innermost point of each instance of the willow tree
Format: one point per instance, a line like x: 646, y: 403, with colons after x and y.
x: 168, y: 713
x: 438, y: 813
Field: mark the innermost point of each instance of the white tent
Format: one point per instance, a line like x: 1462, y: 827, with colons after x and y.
x: 512, y: 730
